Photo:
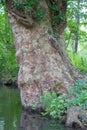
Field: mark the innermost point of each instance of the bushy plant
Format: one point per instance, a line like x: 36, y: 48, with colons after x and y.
x: 79, y: 60
x: 55, y: 105
x: 78, y: 94
x: 8, y: 62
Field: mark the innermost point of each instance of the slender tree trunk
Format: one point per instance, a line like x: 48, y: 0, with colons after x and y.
x: 77, y: 29
x: 69, y: 39
x: 76, y: 41
x: 43, y: 62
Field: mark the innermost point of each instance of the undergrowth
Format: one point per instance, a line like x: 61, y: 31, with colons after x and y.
x: 57, y: 105
x: 78, y: 94
x: 79, y: 60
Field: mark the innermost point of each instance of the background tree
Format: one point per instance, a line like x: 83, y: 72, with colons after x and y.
x: 75, y: 33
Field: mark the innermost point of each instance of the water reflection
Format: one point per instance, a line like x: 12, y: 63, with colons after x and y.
x: 10, y: 109
x: 11, y: 117
x: 2, y: 124
x: 36, y: 122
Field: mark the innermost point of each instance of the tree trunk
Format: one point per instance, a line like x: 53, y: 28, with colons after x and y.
x: 76, y: 41
x: 69, y: 39
x: 43, y: 62
x: 79, y: 118
x: 77, y: 29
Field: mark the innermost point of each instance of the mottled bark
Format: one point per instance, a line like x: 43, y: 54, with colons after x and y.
x: 43, y: 62
x: 76, y: 117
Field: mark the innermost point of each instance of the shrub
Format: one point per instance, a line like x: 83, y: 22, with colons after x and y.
x: 55, y: 105
x: 78, y: 94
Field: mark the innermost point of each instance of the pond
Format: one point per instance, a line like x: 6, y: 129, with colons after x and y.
x: 13, y: 118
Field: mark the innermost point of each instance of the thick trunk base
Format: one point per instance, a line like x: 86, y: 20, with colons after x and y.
x: 42, y: 67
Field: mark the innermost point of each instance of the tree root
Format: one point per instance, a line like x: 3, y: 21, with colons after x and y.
x: 76, y: 117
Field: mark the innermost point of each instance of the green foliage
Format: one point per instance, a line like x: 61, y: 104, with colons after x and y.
x: 32, y: 7
x: 79, y: 60
x: 78, y: 94
x: 40, y: 14
x: 57, y: 19
x: 55, y: 105
x: 32, y: 2
x: 49, y: 32
x: 77, y: 11
x: 18, y: 5
x: 54, y: 8
x: 8, y: 63
x: 28, y: 5
x: 56, y: 13
x: 35, y: 8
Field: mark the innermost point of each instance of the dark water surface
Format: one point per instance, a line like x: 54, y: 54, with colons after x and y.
x: 13, y: 118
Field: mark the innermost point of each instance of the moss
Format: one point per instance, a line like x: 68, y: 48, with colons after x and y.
x: 59, y: 88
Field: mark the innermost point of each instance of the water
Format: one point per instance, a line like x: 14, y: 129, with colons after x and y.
x: 13, y: 118
x: 10, y: 109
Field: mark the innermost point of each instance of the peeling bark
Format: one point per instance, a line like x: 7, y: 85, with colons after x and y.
x: 43, y: 62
